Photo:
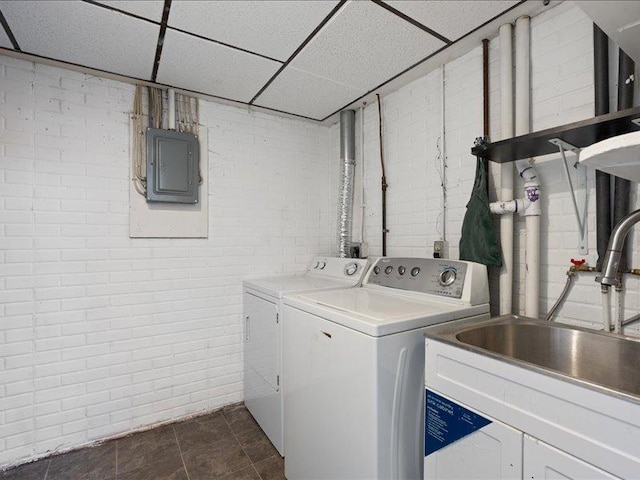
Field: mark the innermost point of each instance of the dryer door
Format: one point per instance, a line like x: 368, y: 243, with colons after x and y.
x: 262, y: 341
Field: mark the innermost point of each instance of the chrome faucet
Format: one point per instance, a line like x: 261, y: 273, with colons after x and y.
x: 611, y: 263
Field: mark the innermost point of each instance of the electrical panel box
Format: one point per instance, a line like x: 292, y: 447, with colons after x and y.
x: 173, y: 159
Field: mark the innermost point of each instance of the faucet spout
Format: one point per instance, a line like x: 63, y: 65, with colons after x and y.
x: 611, y: 263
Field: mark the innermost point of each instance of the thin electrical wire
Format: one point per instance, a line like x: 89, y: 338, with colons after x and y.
x: 383, y: 181
x: 443, y: 152
x: 197, y: 112
x: 189, y: 115
x: 157, y: 107
x: 439, y: 164
x: 138, y: 174
x: 179, y: 120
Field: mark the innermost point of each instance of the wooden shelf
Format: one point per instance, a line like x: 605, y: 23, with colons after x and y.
x: 579, y: 134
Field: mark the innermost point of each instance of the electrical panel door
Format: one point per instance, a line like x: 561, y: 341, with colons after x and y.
x: 173, y: 174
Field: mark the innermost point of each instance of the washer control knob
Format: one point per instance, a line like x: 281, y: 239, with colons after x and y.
x: 415, y: 271
x: 447, y: 277
x: 351, y: 269
x: 316, y: 265
x: 401, y: 270
x: 376, y: 270
x: 322, y: 265
x: 388, y: 270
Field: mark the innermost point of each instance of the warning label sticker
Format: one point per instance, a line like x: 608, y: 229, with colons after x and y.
x: 447, y: 422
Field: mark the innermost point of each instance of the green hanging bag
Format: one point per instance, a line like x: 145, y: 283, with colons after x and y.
x: 478, y: 242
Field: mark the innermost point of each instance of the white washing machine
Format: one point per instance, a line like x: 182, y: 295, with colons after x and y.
x: 354, y: 364
x: 262, y: 308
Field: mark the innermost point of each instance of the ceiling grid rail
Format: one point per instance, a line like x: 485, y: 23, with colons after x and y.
x: 354, y: 50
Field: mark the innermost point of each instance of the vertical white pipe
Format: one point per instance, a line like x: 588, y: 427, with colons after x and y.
x: 606, y: 309
x: 619, y: 312
x: 506, y: 169
x: 523, y: 84
x: 171, y: 101
x: 443, y: 154
x: 523, y: 126
x: 362, y: 203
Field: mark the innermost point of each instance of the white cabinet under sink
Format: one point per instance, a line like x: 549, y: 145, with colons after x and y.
x: 495, y: 419
x: 492, y: 452
x: 542, y: 461
x: 495, y: 451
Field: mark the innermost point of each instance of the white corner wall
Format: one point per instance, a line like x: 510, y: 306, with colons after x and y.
x: 101, y: 334
x: 562, y: 92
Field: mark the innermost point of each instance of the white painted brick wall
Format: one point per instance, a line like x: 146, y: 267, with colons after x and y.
x: 562, y: 92
x: 102, y: 334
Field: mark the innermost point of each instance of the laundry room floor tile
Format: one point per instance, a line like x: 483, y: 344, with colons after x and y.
x: 227, y: 444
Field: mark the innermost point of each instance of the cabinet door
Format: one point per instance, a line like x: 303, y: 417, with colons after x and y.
x: 542, y: 461
x: 492, y: 452
x: 262, y: 339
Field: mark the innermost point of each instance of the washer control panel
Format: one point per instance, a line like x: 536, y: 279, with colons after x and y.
x: 425, y: 275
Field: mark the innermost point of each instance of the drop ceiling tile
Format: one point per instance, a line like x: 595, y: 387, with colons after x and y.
x: 274, y: 29
x: 4, y: 40
x: 451, y: 18
x: 151, y: 9
x: 85, y: 34
x: 364, y: 45
x: 298, y: 92
x: 195, y: 64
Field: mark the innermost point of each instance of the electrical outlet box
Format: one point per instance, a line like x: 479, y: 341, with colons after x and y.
x: 440, y: 249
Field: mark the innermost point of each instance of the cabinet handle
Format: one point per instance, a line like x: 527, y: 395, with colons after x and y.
x: 327, y: 334
x: 247, y: 324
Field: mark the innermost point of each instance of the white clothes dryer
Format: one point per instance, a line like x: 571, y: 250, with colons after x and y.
x: 354, y: 364
x: 262, y: 309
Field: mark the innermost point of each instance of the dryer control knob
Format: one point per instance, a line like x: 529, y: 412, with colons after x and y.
x: 316, y: 265
x: 401, y: 270
x: 388, y: 270
x: 415, y: 271
x: 322, y: 265
x: 376, y: 270
x: 351, y: 269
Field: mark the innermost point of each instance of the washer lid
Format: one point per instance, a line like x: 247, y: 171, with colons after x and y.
x: 289, y: 284
x: 378, y: 313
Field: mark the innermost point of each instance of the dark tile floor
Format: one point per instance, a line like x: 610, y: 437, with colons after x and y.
x: 227, y: 444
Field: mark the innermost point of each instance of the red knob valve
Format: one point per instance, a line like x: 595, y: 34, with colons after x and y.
x: 578, y: 263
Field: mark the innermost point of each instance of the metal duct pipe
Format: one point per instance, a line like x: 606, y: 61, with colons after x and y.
x: 626, y: 71
x: 348, y: 165
x: 603, y: 180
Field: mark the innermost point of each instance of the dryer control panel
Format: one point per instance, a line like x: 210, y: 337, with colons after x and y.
x: 433, y: 276
x: 352, y: 269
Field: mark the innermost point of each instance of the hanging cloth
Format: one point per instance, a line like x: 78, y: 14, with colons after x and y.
x: 478, y: 242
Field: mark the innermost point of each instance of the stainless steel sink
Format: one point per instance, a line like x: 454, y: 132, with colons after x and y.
x: 598, y: 359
